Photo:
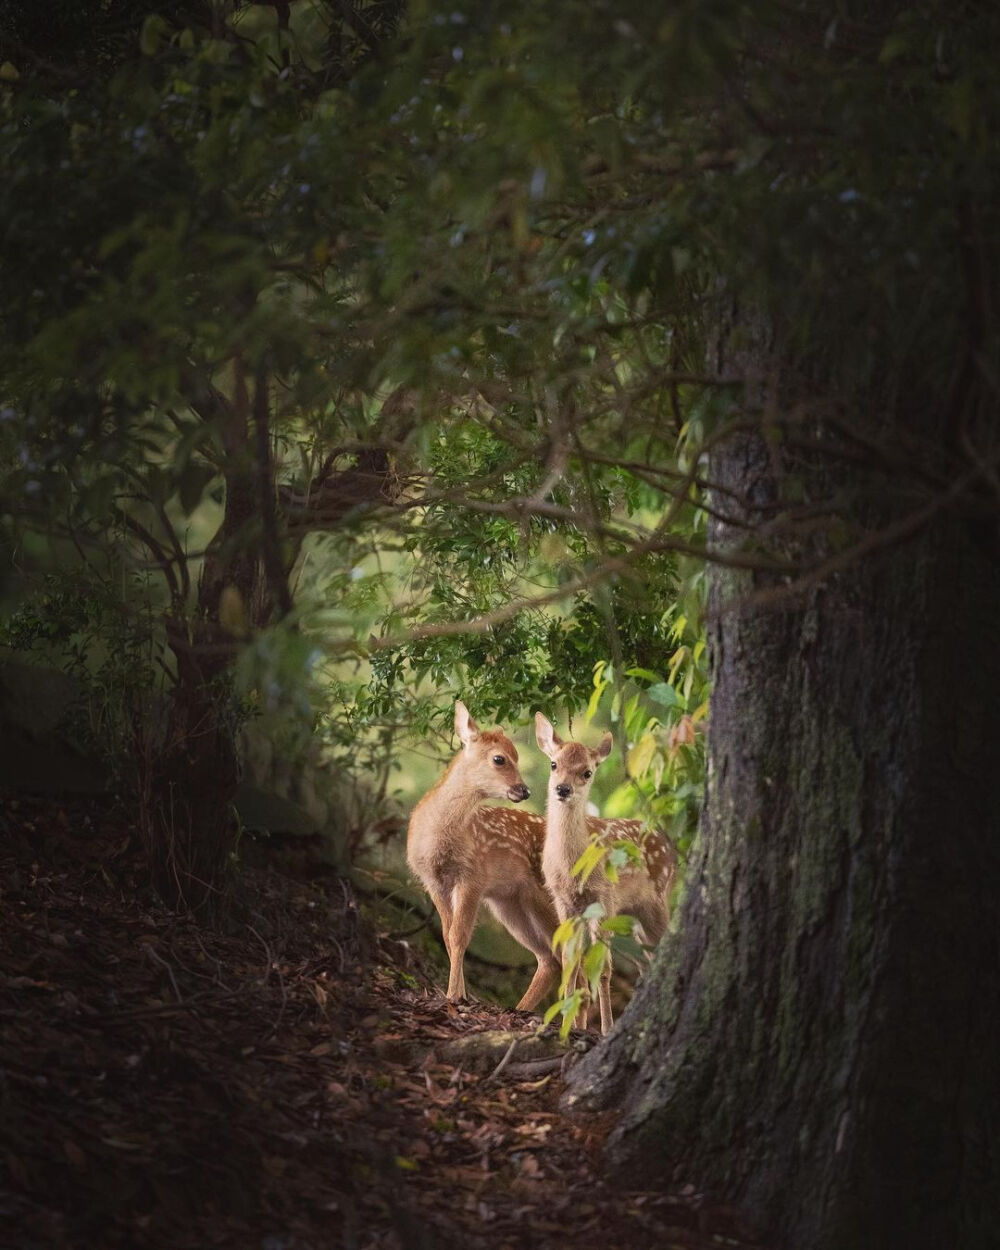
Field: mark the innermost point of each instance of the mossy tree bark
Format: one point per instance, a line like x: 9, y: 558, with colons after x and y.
x: 819, y: 1041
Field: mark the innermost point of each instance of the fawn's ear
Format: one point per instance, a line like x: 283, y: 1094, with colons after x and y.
x: 465, y: 726
x: 546, y: 737
x: 604, y: 748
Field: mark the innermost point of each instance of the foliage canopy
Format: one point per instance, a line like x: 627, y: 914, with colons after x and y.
x: 417, y: 312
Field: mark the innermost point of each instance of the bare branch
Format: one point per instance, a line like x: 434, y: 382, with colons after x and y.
x: 162, y: 560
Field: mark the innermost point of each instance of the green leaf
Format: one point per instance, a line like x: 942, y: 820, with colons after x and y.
x: 191, y: 485
x: 628, y: 848
x: 197, y: 435
x: 570, y: 1008
x: 641, y: 755
x: 646, y: 674
x: 664, y: 694
x: 157, y: 484
x: 563, y: 933
x: 897, y: 45
x: 619, y: 924
x: 154, y: 28
x: 622, y: 944
x: 593, y: 702
x: 587, y: 862
x: 552, y: 1012
x: 594, y: 962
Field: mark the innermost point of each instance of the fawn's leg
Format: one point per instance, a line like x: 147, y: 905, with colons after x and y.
x: 654, y: 918
x: 532, y: 920
x: 442, y: 904
x: 546, y: 975
x: 466, y: 899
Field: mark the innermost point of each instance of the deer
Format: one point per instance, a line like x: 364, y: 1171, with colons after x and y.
x: 466, y: 853
x: 642, y: 890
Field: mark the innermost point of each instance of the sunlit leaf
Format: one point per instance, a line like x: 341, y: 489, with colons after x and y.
x: 619, y: 924
x: 640, y: 756
x: 588, y: 861
x: 594, y: 962
x: 563, y: 933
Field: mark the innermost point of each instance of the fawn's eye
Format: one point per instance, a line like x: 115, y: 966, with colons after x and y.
x: 587, y: 774
x: 553, y: 766
x: 499, y: 761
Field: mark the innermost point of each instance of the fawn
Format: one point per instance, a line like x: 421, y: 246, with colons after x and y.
x: 465, y: 854
x: 641, y: 891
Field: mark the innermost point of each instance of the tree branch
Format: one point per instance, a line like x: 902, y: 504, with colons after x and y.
x: 270, y: 540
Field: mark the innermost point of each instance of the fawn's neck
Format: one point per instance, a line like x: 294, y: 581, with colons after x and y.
x: 566, y: 829
x: 451, y: 803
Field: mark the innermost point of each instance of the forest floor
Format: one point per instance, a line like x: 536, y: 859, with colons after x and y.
x: 292, y: 1083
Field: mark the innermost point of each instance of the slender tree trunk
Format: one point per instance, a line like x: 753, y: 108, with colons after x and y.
x: 191, y: 769
x: 820, y: 1041
x: 190, y: 765
x: 189, y: 773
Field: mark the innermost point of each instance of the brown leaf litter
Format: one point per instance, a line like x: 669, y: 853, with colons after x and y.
x: 283, y: 1086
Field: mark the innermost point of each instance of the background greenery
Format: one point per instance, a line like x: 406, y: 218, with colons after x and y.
x: 355, y: 358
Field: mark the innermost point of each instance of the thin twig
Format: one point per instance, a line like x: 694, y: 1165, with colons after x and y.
x: 503, y: 1062
x: 158, y: 959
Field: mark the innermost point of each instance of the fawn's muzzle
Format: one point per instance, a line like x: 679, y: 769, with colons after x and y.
x: 563, y: 790
x: 517, y: 793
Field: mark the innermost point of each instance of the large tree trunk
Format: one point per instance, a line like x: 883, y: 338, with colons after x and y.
x: 820, y: 1041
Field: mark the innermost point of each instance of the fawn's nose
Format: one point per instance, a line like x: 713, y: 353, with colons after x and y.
x: 519, y: 792
x: 563, y: 790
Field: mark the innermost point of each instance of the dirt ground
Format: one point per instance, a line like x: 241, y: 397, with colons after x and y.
x: 293, y: 1083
